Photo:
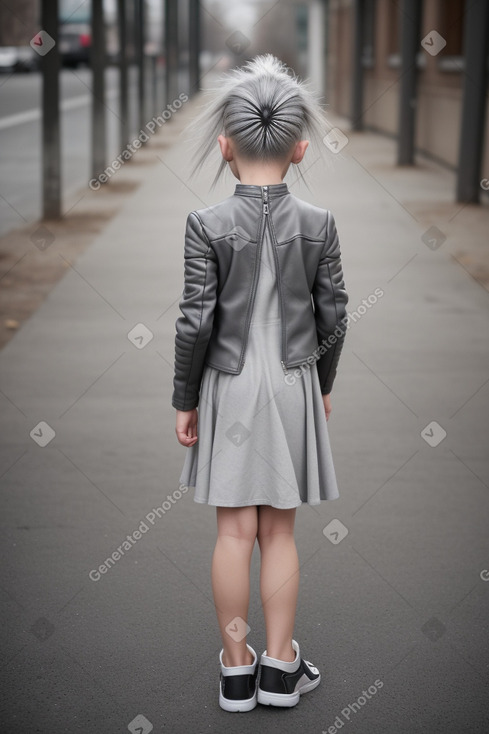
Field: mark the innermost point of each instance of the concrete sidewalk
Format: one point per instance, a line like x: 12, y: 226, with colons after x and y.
x: 394, y: 614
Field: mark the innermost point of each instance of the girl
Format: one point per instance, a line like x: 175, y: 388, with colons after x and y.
x: 256, y: 348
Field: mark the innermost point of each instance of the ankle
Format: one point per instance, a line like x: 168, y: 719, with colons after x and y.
x: 286, y: 653
x: 234, y: 659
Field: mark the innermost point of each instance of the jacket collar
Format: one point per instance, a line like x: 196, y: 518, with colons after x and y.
x: 254, y: 190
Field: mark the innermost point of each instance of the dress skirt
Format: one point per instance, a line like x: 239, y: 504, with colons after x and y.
x: 262, y: 435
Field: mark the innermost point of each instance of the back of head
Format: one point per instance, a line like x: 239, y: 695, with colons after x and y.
x: 263, y: 108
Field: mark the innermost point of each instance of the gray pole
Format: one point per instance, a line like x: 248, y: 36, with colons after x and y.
x: 474, y: 101
x: 98, y: 88
x: 123, y: 77
x: 51, y: 146
x: 140, y: 40
x: 171, y: 50
x: 357, y: 72
x: 410, y: 29
x: 154, y: 83
x: 194, y: 46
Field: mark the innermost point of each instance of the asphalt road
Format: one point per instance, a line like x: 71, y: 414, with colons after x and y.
x: 20, y: 137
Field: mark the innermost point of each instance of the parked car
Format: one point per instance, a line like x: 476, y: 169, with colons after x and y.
x: 18, y: 58
x: 75, y: 40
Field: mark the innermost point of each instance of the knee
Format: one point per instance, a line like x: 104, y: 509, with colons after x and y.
x: 278, y: 523
x: 240, y: 526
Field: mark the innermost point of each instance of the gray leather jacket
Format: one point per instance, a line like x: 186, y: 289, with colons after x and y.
x: 221, y: 259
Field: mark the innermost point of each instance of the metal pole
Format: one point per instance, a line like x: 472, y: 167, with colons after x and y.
x: 410, y: 28
x: 194, y: 46
x: 99, y: 140
x: 171, y: 50
x: 123, y: 75
x: 474, y: 101
x: 140, y: 39
x: 357, y: 71
x: 154, y: 85
x: 51, y: 145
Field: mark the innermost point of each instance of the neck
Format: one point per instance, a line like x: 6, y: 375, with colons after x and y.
x: 261, y: 174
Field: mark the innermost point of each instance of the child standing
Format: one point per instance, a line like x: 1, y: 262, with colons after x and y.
x: 256, y: 348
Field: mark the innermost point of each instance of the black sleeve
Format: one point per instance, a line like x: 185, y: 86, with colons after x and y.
x: 194, y: 326
x: 330, y: 299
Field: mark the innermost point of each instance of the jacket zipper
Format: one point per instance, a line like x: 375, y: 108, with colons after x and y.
x: 277, y: 269
x: 265, y: 211
x: 255, y: 272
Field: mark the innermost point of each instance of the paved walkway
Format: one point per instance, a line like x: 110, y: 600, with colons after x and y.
x: 394, y: 598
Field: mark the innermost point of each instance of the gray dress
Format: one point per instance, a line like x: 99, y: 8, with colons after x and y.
x: 261, y: 441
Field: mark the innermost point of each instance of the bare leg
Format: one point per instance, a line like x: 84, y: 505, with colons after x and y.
x: 279, y: 578
x: 236, y: 537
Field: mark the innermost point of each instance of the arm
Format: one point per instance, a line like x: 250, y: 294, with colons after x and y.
x: 330, y: 299
x: 194, y: 326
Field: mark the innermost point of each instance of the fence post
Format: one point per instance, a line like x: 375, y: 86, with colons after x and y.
x: 140, y: 60
x: 410, y: 42
x: 123, y: 77
x: 51, y: 144
x: 171, y: 50
x: 99, y: 141
x: 357, y: 75
x: 194, y: 46
x: 474, y: 101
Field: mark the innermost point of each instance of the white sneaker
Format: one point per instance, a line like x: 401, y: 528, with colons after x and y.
x: 237, y: 685
x: 282, y: 683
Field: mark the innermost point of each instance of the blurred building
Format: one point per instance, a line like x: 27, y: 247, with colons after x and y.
x: 439, y: 98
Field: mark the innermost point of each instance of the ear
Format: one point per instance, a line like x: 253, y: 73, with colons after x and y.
x: 225, y: 146
x: 299, y: 151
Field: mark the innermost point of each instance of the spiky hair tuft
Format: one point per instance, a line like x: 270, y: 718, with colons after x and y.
x: 263, y: 107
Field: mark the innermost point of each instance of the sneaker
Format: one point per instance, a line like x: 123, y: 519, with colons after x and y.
x: 282, y: 683
x: 237, y: 685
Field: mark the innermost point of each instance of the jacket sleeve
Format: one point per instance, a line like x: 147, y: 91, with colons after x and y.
x: 194, y: 326
x: 330, y: 299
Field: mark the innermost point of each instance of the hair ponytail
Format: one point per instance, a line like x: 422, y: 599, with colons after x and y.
x: 264, y: 108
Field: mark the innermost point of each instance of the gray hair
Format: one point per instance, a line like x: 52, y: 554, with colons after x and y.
x: 264, y: 108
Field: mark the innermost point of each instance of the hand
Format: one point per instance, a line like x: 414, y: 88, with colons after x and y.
x: 186, y: 428
x: 327, y: 405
